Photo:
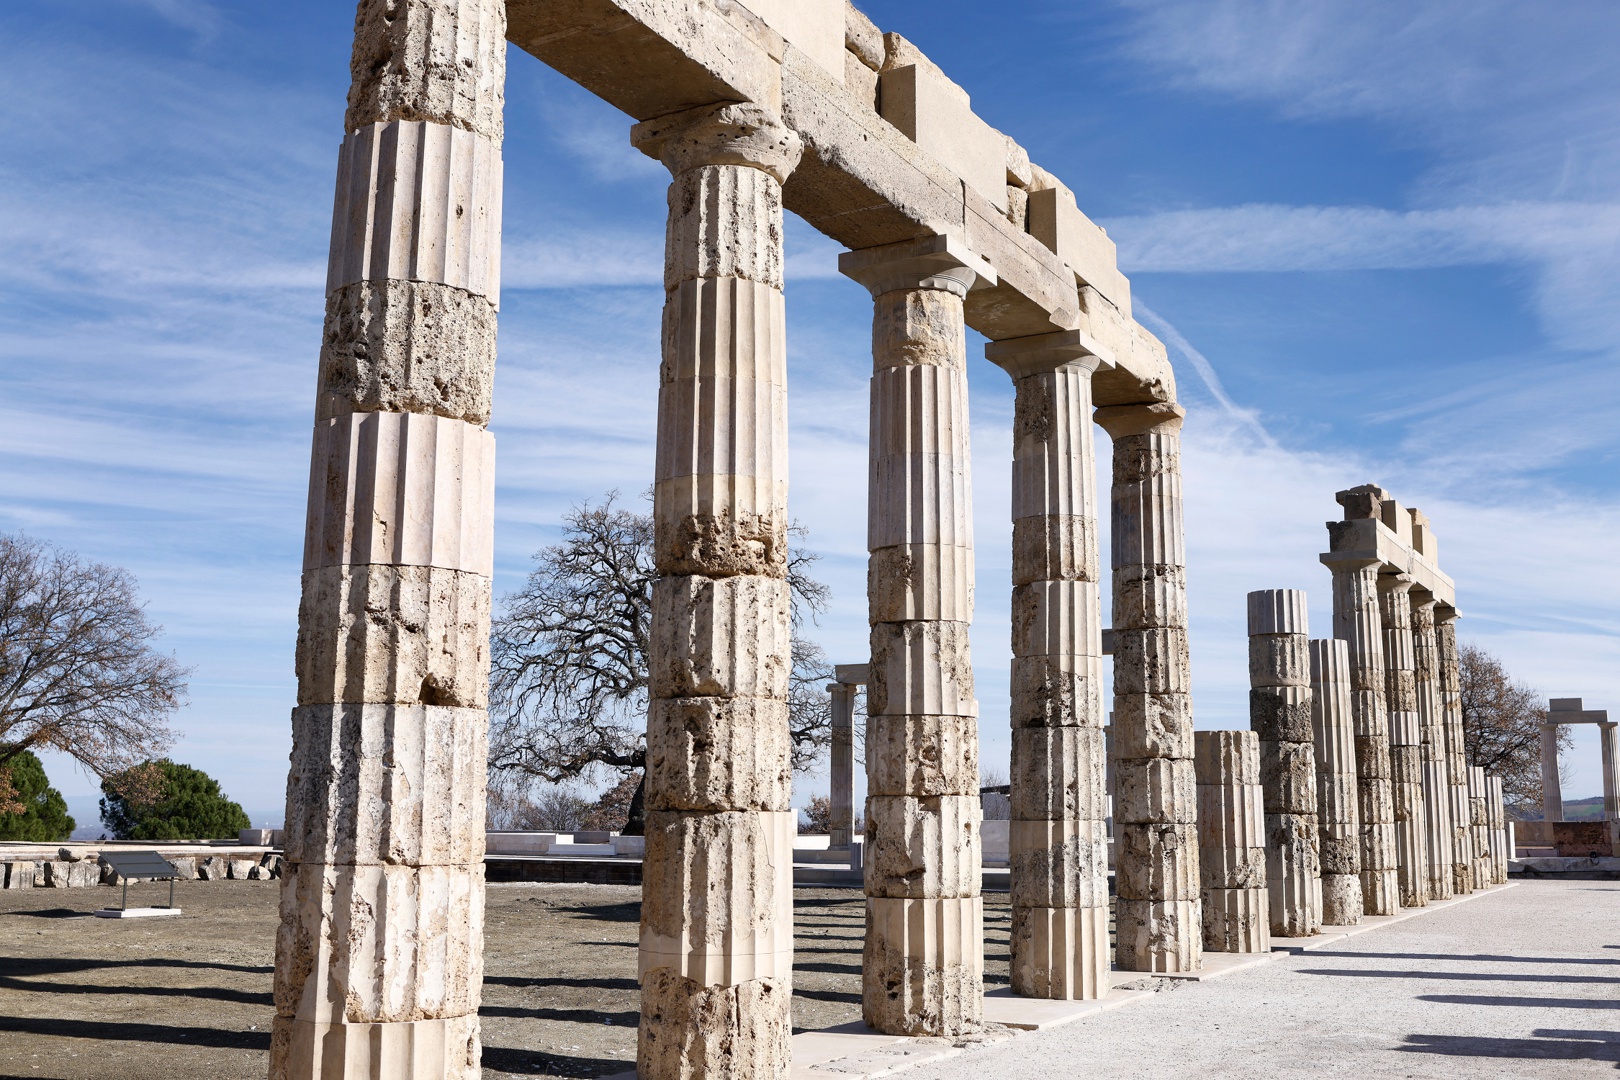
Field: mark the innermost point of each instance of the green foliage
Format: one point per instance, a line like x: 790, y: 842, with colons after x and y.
x: 44, y: 818
x: 190, y: 807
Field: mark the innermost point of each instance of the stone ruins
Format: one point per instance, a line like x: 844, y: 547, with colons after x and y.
x: 757, y: 107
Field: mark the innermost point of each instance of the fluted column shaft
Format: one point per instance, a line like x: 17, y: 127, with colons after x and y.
x: 1232, y: 842
x: 1158, y: 925
x: 841, y: 767
x: 1405, y: 739
x: 379, y: 955
x: 1462, y: 837
x: 1058, y: 838
x: 1436, y: 764
x: 717, y: 914
x: 1480, y: 816
x: 1337, y: 806
x: 1609, y: 736
x: 923, y: 964
x: 1280, y: 714
x: 1357, y: 622
x: 1499, y: 838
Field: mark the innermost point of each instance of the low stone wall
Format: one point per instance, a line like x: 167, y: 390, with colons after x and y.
x: 73, y: 867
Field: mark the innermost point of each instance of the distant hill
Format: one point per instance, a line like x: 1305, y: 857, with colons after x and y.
x: 1583, y: 809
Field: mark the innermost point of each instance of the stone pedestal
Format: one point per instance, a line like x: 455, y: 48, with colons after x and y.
x: 1436, y: 763
x: 1337, y: 809
x: 1158, y: 925
x: 1462, y: 837
x: 1280, y: 714
x: 1232, y: 842
x: 1480, y: 815
x: 1058, y: 838
x: 379, y: 956
x: 923, y: 967
x: 1405, y: 739
x: 717, y: 915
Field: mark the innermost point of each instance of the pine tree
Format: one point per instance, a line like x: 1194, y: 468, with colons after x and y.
x: 39, y: 813
x: 189, y: 807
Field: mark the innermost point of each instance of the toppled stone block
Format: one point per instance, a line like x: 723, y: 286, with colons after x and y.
x: 21, y: 875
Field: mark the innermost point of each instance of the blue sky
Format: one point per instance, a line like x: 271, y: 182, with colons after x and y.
x: 1382, y: 245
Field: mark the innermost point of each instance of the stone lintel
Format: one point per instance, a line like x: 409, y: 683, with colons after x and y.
x: 1368, y: 540
x: 852, y: 674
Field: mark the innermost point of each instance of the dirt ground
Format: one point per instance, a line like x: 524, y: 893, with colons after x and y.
x: 149, y: 999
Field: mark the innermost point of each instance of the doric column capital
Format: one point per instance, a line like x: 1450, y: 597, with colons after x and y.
x: 735, y: 134
x: 941, y: 262
x: 1349, y: 564
x: 1424, y: 600
x: 1395, y: 583
x: 1143, y: 418
x: 1065, y: 350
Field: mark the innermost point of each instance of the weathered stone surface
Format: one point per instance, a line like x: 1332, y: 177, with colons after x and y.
x: 1279, y: 660
x: 449, y: 1048
x: 1373, y: 760
x: 1159, y: 935
x: 1236, y: 920
x: 1153, y: 726
x: 398, y: 784
x: 21, y: 874
x: 403, y: 634
x: 1151, y: 661
x: 724, y: 222
x: 437, y: 60
x: 918, y: 327
x: 1058, y: 774
x: 1054, y: 547
x: 1056, y: 691
x: 742, y: 134
x: 921, y: 668
x: 1157, y: 862
x: 714, y: 754
x: 922, y: 848
x: 1060, y: 953
x: 1337, y: 803
x: 60, y: 874
x: 1340, y: 855
x: 906, y: 582
x: 1342, y: 904
x: 922, y: 755
x: 725, y: 637
x: 1055, y: 618
x: 1059, y: 864
x: 1231, y: 816
x: 692, y: 1029
x: 862, y: 37
x: 1292, y: 874
x: 1288, y: 775
x: 407, y: 346
x: 923, y: 966
x: 1146, y: 596
x: 1281, y: 713
x: 1155, y: 790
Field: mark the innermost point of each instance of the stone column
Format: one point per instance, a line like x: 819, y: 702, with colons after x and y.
x: 1480, y: 815
x: 841, y: 772
x: 1462, y: 847
x: 1405, y: 739
x: 1232, y: 842
x: 1158, y: 926
x: 717, y: 914
x: 1609, y: 736
x: 1280, y: 714
x: 379, y: 956
x: 1338, y: 812
x: 1499, y: 840
x: 1357, y: 622
x: 1552, y: 785
x: 1435, y: 765
x: 923, y: 966
x: 1059, y: 839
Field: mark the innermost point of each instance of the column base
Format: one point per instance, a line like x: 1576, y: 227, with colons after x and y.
x: 1237, y: 920
x: 1341, y: 900
x: 1060, y: 954
x: 1158, y: 936
x: 690, y: 1030
x: 1380, y: 892
x: 922, y: 971
x: 447, y: 1049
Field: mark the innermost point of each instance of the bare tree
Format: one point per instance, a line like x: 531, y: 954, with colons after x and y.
x: 78, y: 672
x: 1502, y: 726
x: 569, y: 655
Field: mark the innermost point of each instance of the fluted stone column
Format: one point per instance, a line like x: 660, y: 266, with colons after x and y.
x: 1609, y: 738
x: 379, y: 955
x: 1405, y: 739
x: 1158, y: 926
x: 1059, y: 841
x: 1480, y: 816
x: 1552, y: 785
x: 1357, y: 622
x: 841, y: 767
x: 1462, y: 846
x: 1337, y: 807
x: 717, y: 913
x: 1280, y: 714
x: 923, y: 966
x: 1497, y: 812
x: 1436, y: 766
x: 1232, y: 842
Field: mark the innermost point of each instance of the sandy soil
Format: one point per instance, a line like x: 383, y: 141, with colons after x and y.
x: 189, y: 996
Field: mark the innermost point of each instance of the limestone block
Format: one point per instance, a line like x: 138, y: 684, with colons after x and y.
x: 1278, y: 612
x: 1406, y: 769
x: 1060, y: 953
x: 80, y: 874
x: 1158, y: 935
x: 922, y: 847
x: 1380, y: 891
x: 407, y: 346
x: 401, y: 634
x: 1153, y: 726
x: 1155, y: 791
x: 302, y: 1050
x: 1372, y: 721
x: 1157, y: 862
x: 1058, y: 774
x: 1056, y: 221
x: 1340, y: 854
x: 862, y: 37
x: 379, y: 944
x: 814, y: 27
x: 1056, y: 618
x: 439, y: 60
x: 717, y: 897
x: 1059, y: 864
x: 418, y: 202
x: 1151, y: 661
x: 186, y: 867
x: 1405, y: 729
x: 691, y: 1029
x: 715, y: 754
x: 923, y: 966
x: 1281, y: 713
x: 725, y: 221
x: 920, y: 489
x: 1279, y: 660
x: 372, y: 784
x: 1236, y: 920
x: 936, y: 114
x: 860, y: 81
x: 213, y: 868
x: 1149, y: 596
x: 920, y: 581
x: 725, y: 637
x: 1231, y: 817
x: 1372, y: 761
x: 1054, y: 547
x: 918, y: 327
x: 1342, y: 904
x: 21, y: 874
x: 920, y: 669
x: 1292, y: 871
x: 1288, y: 777
x: 922, y: 755
x: 401, y: 488
x: 1057, y: 691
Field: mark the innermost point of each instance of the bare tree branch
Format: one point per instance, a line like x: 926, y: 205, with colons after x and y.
x: 1502, y: 726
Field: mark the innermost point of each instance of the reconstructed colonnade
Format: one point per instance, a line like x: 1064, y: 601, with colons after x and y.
x: 755, y: 108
